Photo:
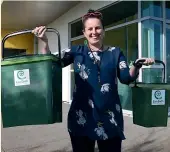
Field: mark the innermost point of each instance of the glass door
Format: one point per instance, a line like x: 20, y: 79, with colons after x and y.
x: 168, y: 52
x: 152, y: 47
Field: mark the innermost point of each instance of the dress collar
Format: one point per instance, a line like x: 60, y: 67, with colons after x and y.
x: 105, y: 48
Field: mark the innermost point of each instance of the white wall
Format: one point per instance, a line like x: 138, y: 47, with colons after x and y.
x: 61, y: 24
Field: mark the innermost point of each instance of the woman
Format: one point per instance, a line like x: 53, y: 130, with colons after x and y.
x: 95, y: 113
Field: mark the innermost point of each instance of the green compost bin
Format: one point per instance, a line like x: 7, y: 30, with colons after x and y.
x: 125, y: 96
x: 31, y: 91
x: 150, y: 103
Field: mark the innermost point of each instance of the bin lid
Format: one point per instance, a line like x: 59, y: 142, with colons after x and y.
x: 28, y: 58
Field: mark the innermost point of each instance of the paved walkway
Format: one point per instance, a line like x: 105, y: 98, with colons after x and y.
x: 54, y: 138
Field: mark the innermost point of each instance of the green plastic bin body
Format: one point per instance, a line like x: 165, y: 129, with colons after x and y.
x: 150, y: 104
x: 31, y: 90
x: 125, y: 96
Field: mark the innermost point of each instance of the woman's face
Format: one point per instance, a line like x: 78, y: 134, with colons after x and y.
x: 93, y: 31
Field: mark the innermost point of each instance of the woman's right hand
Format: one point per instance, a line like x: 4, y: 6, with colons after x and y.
x: 40, y: 33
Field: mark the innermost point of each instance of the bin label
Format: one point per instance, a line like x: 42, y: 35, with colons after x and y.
x: 21, y: 77
x: 158, y: 97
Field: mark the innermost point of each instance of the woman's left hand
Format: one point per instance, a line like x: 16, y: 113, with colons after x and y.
x: 148, y: 61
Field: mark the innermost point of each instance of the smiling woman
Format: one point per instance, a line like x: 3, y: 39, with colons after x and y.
x: 95, y: 113
x: 93, y: 30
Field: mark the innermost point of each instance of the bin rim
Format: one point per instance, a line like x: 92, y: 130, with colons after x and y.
x: 29, y: 58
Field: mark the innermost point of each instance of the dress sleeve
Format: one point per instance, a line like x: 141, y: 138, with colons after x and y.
x: 123, y: 70
x: 67, y: 56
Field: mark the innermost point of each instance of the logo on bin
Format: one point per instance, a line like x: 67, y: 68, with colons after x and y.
x: 21, y: 77
x: 158, y: 97
x: 158, y: 94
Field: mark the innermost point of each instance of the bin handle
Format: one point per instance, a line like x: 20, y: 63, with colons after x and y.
x: 30, y: 31
x: 141, y: 61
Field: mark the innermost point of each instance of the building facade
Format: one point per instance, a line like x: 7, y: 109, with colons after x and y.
x: 140, y: 29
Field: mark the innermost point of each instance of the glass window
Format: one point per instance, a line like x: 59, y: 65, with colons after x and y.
x: 116, y: 14
x: 132, y: 42
x: 152, y: 46
x: 152, y: 38
x: 116, y: 37
x: 115, y: 23
x: 126, y: 38
x: 78, y: 42
x: 151, y: 8
x: 76, y: 29
x: 168, y: 10
x: 131, y: 18
x: 168, y: 52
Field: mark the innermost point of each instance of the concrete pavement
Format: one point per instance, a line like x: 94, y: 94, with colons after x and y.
x: 54, y: 138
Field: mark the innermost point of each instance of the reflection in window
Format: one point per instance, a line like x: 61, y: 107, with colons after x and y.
x: 151, y: 8
x: 126, y: 38
x: 128, y: 19
x: 78, y: 42
x: 152, y: 46
x: 168, y: 10
x: 132, y: 42
x: 168, y: 52
x: 114, y: 15
x: 115, y: 23
x: 152, y: 38
x: 76, y: 29
x: 116, y: 37
x: 131, y: 18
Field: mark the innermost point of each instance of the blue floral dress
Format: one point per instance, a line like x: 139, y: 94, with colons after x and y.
x: 95, y: 110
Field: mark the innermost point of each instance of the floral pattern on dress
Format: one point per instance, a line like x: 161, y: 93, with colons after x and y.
x: 81, y: 119
x: 118, y: 108
x: 105, y: 88
x: 84, y: 72
x: 91, y: 103
x: 111, y: 49
x: 101, y: 132
x: 112, y: 117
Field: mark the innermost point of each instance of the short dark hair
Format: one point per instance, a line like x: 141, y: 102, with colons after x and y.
x: 92, y: 14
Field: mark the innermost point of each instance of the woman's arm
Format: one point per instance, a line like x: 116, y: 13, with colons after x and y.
x: 124, y: 74
x: 66, y: 54
x: 39, y: 32
x: 127, y: 75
